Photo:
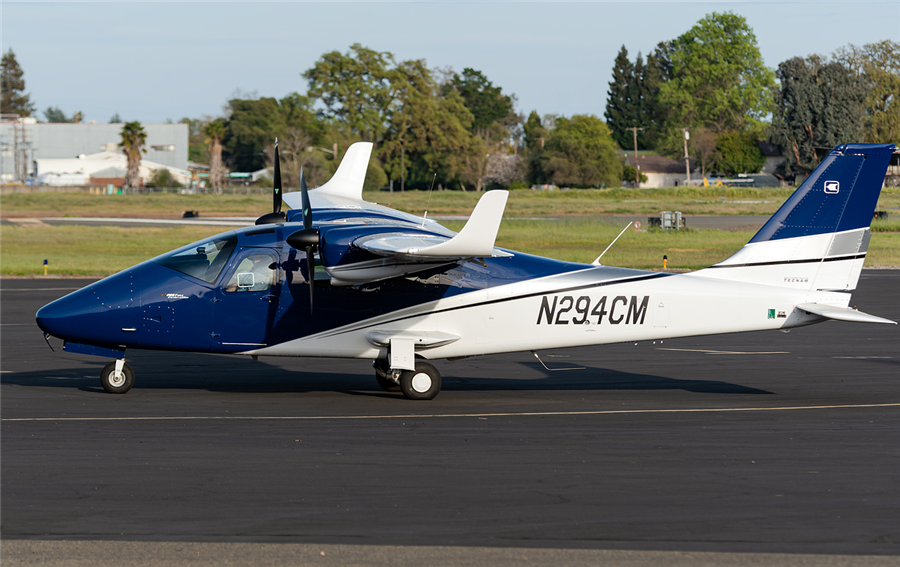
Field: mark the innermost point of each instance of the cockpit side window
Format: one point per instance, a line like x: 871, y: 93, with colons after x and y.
x: 203, y: 260
x: 254, y: 273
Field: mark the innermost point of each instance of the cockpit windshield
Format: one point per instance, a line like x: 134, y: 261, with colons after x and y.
x: 203, y: 260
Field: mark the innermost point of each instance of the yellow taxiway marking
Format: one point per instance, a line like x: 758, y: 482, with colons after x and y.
x: 705, y: 351
x: 433, y: 415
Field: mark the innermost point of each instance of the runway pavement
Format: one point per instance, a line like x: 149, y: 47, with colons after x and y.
x: 722, y: 447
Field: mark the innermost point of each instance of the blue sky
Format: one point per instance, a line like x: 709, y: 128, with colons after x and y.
x: 156, y: 60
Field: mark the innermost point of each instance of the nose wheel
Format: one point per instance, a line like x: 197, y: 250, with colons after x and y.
x: 117, y: 377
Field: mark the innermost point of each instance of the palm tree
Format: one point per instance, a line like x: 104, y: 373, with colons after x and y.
x: 133, y: 138
x: 216, y: 131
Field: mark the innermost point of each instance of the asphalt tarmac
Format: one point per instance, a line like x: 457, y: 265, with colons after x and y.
x: 722, y: 447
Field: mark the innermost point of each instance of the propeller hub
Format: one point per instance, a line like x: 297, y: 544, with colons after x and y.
x: 305, y: 238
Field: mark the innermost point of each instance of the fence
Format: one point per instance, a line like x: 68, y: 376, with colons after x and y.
x: 104, y: 190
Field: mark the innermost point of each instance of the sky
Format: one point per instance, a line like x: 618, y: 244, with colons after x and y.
x: 154, y: 61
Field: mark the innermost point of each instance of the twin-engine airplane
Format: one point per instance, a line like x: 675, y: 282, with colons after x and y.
x: 403, y: 290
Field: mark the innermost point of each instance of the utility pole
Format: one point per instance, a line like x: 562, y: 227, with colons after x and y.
x: 687, y: 162
x: 637, y: 170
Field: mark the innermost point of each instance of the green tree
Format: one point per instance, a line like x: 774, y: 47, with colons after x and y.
x: 535, y: 138
x: 115, y: 119
x: 428, y: 133
x: 718, y: 79
x: 12, y: 82
x: 162, y: 178
x: 486, y: 102
x: 654, y: 113
x: 132, y: 142
x: 215, y: 131
x: 621, y: 110
x: 738, y: 152
x: 628, y: 174
x: 819, y: 105
x: 198, y: 151
x: 356, y: 89
x: 579, y: 151
x: 55, y: 115
x: 252, y: 125
x: 878, y: 66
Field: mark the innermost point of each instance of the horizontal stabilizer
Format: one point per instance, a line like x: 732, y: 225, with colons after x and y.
x: 475, y: 240
x: 841, y: 313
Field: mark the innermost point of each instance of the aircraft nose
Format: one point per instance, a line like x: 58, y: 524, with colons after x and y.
x: 96, y: 314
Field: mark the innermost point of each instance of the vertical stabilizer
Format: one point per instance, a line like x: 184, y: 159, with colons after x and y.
x: 350, y: 176
x: 818, y: 239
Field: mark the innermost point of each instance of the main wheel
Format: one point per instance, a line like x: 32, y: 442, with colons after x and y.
x: 117, y: 384
x: 423, y: 384
x: 382, y: 373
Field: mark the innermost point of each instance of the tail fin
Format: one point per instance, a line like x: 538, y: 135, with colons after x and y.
x: 818, y: 239
x: 347, y: 182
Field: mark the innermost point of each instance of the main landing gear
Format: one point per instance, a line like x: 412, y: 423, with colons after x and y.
x: 422, y: 384
x: 117, y: 377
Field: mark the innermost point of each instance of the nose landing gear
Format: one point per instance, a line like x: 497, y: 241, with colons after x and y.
x: 117, y: 377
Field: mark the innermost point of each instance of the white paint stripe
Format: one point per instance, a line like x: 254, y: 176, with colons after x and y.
x: 724, y: 351
x: 434, y: 415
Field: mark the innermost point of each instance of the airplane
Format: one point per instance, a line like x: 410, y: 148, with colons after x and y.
x: 336, y: 276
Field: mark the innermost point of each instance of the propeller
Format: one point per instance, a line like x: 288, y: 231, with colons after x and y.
x: 308, y: 238
x: 276, y: 215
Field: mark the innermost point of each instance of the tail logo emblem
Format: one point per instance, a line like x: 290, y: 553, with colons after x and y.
x: 832, y: 187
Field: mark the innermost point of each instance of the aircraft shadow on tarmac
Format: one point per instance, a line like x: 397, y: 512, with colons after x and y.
x: 240, y: 376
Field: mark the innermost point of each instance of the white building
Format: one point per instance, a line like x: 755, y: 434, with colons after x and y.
x: 80, y: 170
x: 26, y: 141
x: 661, y: 171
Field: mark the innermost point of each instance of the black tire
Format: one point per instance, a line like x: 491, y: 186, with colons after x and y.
x: 382, y: 371
x: 423, y: 384
x: 113, y: 385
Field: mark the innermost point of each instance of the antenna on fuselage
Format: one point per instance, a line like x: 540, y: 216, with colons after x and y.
x: 428, y: 202
x: 597, y: 261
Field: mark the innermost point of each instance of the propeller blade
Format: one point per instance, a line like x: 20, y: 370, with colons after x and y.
x: 276, y: 194
x: 307, y: 208
x: 311, y: 266
x: 307, y: 239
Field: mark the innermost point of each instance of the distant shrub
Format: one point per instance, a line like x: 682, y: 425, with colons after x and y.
x: 516, y: 185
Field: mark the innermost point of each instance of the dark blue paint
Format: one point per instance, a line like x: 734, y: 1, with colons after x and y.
x: 171, y: 310
x: 860, y: 171
x: 93, y: 350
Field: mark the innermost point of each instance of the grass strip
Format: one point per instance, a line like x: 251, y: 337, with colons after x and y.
x: 88, y: 250
x: 522, y: 204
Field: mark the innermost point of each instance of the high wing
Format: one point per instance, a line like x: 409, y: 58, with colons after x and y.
x: 364, y: 242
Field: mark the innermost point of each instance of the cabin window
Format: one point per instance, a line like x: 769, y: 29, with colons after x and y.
x: 254, y: 273
x: 203, y: 260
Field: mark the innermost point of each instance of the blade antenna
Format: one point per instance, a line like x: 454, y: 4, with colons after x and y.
x: 597, y: 261
x: 276, y: 189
